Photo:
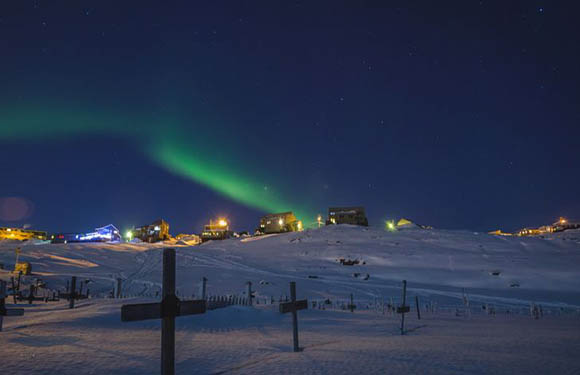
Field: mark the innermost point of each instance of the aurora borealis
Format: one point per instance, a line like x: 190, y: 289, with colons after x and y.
x: 129, y: 112
x: 189, y: 157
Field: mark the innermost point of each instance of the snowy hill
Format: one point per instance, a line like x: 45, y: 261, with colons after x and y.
x: 50, y: 338
x: 436, y: 263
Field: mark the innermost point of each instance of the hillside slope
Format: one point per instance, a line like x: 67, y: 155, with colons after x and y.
x: 436, y: 263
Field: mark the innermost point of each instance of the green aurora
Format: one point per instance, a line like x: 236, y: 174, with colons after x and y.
x: 165, y: 141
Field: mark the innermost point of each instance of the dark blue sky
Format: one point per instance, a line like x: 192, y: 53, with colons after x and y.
x: 455, y: 114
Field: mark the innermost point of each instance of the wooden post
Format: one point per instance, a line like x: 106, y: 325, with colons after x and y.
x: 249, y: 283
x: 13, y: 289
x: 2, y: 303
x: 203, y: 287
x: 3, y: 310
x: 118, y: 288
x: 294, y: 315
x: 168, y: 323
x: 19, y: 277
x: 351, y: 306
x: 71, y: 296
x: 31, y: 294
x: 293, y: 306
x: 418, y: 309
x: 403, y: 307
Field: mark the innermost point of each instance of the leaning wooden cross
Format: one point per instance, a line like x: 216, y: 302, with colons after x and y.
x: 3, y: 310
x: 168, y: 309
x: 293, y: 306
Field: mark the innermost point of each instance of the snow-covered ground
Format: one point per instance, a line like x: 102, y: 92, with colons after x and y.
x: 438, y: 265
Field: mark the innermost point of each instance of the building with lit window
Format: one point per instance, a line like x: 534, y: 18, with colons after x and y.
x: 280, y: 223
x: 108, y: 233
x: 154, y: 232
x: 21, y: 234
x: 347, y: 215
x: 216, y: 230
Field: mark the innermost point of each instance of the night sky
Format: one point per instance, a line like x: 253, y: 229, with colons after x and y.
x: 460, y: 115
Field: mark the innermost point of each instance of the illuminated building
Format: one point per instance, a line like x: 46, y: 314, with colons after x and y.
x: 279, y: 223
x: 499, y: 233
x: 347, y: 215
x: 218, y: 230
x: 21, y: 234
x: 108, y: 233
x: 154, y: 232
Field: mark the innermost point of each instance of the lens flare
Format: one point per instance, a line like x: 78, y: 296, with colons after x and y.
x: 15, y: 208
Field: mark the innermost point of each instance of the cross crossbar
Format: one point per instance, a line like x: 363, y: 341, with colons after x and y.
x: 403, y: 309
x: 145, y: 311
x: 287, y: 307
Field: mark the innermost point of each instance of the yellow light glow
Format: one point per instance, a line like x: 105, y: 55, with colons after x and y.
x: 129, y: 235
x: 319, y: 218
x: 299, y: 225
x: 281, y: 221
x: 8, y: 230
x: 222, y: 223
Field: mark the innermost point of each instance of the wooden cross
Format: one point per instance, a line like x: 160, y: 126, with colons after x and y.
x: 403, y: 308
x: 167, y: 310
x: 293, y: 306
x: 3, y: 310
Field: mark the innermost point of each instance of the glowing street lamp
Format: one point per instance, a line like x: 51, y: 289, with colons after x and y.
x: 129, y: 235
x: 319, y: 220
x: 222, y: 223
x: 390, y: 225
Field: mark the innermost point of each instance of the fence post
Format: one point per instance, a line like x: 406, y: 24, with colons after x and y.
x: 249, y: 283
x: 13, y: 289
x: 19, y: 277
x: 118, y: 288
x: 203, y: 287
x: 418, y: 310
x: 31, y: 294
x: 73, y: 282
